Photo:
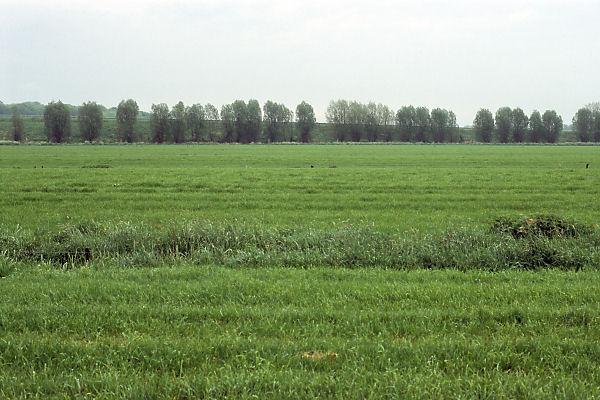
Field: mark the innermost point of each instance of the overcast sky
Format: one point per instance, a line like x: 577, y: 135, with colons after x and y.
x: 461, y: 54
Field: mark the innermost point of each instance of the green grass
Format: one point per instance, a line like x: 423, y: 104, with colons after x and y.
x: 186, y: 294
x: 394, y: 188
x: 190, y: 332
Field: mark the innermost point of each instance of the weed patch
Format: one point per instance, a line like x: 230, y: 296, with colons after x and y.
x: 549, y: 226
x: 236, y: 244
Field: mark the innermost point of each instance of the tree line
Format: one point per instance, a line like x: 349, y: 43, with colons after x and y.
x: 248, y: 122
x: 355, y: 121
x: 514, y: 126
x: 587, y: 123
x: 240, y: 122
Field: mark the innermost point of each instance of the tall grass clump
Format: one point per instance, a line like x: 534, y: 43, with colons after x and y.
x: 549, y: 243
x: 549, y: 226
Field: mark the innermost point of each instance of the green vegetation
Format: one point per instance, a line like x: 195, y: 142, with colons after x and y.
x: 90, y: 121
x: 587, y: 123
x: 535, y: 243
x: 17, y: 132
x: 305, y: 116
x: 428, y: 188
x: 127, y: 114
x: 160, y: 122
x: 241, y: 122
x: 57, y: 121
x: 205, y: 332
x: 299, y: 271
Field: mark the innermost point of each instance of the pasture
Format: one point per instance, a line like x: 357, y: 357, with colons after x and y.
x: 391, y: 187
x: 296, y: 271
x: 185, y: 332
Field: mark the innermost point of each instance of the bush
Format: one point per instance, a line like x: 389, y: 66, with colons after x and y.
x: 549, y: 226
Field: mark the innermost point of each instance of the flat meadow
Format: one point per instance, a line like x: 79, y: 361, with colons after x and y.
x: 299, y: 271
x: 392, y: 187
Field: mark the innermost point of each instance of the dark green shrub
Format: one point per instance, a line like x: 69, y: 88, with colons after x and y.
x: 549, y: 226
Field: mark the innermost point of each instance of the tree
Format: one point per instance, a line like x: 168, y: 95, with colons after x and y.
x: 178, y: 126
x: 159, y: 120
x: 337, y: 115
x: 305, y: 120
x: 127, y: 113
x: 406, y: 119
x: 240, y: 111
x: 596, y: 126
x: 57, y: 121
x: 212, y: 119
x: 276, y: 119
x: 504, y: 124
x: 254, y: 122
x: 195, y: 118
x: 440, y: 125
x: 519, y: 125
x: 212, y: 114
x: 18, y: 127
x: 584, y: 124
x: 90, y: 121
x: 553, y: 125
x: 371, y: 122
x: 385, y: 119
x: 453, y: 128
x: 422, y: 124
x: 228, y: 122
x: 484, y: 125
x: 271, y: 112
x: 288, y: 124
x: 357, y: 114
x: 536, y: 127
x: 594, y: 107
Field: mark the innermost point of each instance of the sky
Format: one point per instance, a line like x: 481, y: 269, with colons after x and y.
x: 461, y: 55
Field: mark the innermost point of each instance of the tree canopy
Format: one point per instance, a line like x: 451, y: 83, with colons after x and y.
x: 553, y: 125
x: 18, y: 127
x: 127, y: 113
x: 484, y: 125
x: 305, y: 120
x: 195, y: 118
x: 57, y: 120
x: 583, y: 121
x: 90, y: 121
x: 160, y: 122
x: 519, y: 124
x: 178, y: 122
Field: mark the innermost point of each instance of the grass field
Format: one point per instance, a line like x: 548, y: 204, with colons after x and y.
x: 197, y: 332
x: 400, y: 188
x: 223, y: 271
